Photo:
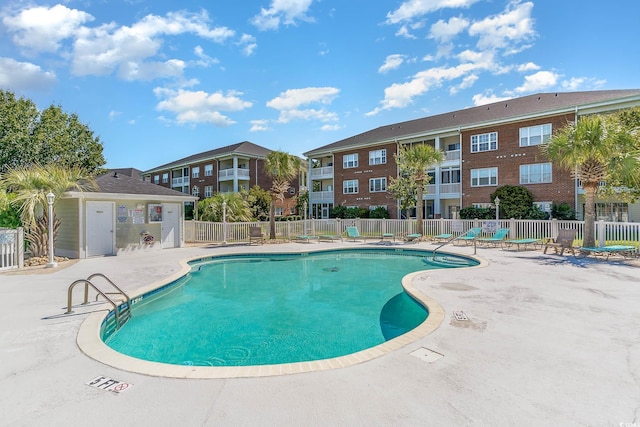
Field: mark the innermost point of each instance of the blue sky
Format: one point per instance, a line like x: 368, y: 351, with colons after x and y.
x: 159, y: 80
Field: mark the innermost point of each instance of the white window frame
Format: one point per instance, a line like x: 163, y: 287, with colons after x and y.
x: 350, y: 161
x: 492, y: 175
x: 544, y: 206
x: 535, y: 135
x: 348, y: 186
x: 279, y: 211
x: 378, y: 157
x: 382, y: 187
x: 208, y: 191
x: 165, y: 178
x: 479, y: 141
x: 541, y: 170
x: 156, y: 179
x: 195, y: 172
x: 195, y: 191
x: 208, y: 170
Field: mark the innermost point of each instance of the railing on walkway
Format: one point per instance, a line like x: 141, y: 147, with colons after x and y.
x: 11, y: 248
x: 606, y: 232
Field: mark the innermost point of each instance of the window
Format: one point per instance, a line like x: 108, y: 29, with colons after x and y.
x: 350, y: 186
x: 484, y: 142
x: 292, y: 190
x: 484, y: 177
x: 208, y: 191
x: 165, y: 178
x: 350, y: 161
x: 535, y: 135
x: 195, y: 191
x: 378, y: 157
x: 449, y: 176
x: 535, y: 174
x: 377, y: 184
x: 195, y: 172
x: 278, y: 211
x: 208, y: 170
x: 156, y: 179
x: 544, y: 206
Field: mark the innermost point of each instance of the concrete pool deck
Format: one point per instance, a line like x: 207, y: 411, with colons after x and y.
x: 550, y: 340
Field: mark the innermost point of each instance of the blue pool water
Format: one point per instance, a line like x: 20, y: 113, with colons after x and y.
x: 277, y: 308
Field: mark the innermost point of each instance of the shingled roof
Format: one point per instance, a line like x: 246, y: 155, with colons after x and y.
x: 115, y: 183
x: 246, y: 147
x: 537, y: 104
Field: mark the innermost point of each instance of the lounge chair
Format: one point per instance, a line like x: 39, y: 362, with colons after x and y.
x: 414, y: 237
x: 255, y: 234
x: 390, y: 236
x: 328, y: 238
x: 522, y: 242
x: 470, y: 235
x: 498, y: 237
x: 305, y: 238
x: 564, y: 241
x: 354, y: 234
x: 606, y: 251
x: 441, y: 238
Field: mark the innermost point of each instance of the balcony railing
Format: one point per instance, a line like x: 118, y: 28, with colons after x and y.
x: 323, y: 172
x: 180, y: 181
x: 226, y: 174
x: 321, y: 196
x: 450, y: 188
x: 452, y: 155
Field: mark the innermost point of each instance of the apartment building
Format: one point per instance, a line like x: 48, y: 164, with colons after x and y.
x: 226, y: 169
x: 485, y: 147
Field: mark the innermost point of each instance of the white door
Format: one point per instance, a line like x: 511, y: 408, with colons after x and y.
x: 171, y: 225
x: 100, y: 226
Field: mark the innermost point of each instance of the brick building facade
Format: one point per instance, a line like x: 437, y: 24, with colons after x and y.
x: 485, y: 147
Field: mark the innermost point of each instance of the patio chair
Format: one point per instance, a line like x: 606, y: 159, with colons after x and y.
x: 412, y: 238
x: 469, y: 236
x: 606, y: 251
x: 305, y: 238
x: 441, y: 238
x: 564, y: 241
x: 498, y: 237
x: 522, y: 242
x: 328, y: 238
x: 354, y: 234
x: 255, y: 234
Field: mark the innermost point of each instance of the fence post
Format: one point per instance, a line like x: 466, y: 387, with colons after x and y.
x: 554, y: 228
x: 512, y: 228
x: 602, y: 233
x: 20, y: 248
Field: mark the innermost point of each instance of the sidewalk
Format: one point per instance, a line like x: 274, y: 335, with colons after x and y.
x: 550, y: 340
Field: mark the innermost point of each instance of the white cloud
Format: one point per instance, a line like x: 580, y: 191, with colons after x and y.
x: 204, y: 59
x: 248, y: 44
x: 290, y: 101
x: 466, y: 83
x: 42, y: 29
x: 507, y: 30
x: 445, y: 31
x: 577, y: 83
x: 392, y: 62
x: 329, y: 128
x: 199, y: 106
x: 538, y: 81
x: 259, y: 126
x: 22, y: 76
x: 403, y: 31
x: 412, y: 9
x: 113, y: 114
x: 286, y: 12
x: 487, y: 98
x: 529, y: 66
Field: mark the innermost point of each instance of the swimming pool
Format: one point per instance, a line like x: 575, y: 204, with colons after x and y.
x: 247, y: 310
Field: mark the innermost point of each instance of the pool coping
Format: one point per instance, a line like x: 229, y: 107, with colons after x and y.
x: 90, y: 342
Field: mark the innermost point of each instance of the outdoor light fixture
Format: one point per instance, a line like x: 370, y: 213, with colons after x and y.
x: 497, y: 202
x: 50, y: 199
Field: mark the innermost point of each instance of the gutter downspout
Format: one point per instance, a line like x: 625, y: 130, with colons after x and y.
x: 461, y: 173
x: 575, y: 179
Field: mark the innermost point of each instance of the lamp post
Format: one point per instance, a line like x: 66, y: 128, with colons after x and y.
x: 224, y: 222
x: 497, y: 202
x: 50, y: 199
x: 305, y: 218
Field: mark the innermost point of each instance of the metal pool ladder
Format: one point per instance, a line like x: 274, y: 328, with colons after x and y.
x: 121, y: 313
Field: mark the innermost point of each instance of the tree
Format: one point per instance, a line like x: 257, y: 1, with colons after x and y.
x: 596, y: 149
x: 259, y: 201
x: 414, y: 163
x: 237, y: 208
x: 515, y: 201
x: 30, y: 187
x: 29, y: 137
x: 281, y: 167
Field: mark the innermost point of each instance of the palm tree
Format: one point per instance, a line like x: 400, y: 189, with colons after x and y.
x: 237, y: 209
x: 596, y: 149
x: 31, y: 186
x: 281, y: 167
x: 414, y: 162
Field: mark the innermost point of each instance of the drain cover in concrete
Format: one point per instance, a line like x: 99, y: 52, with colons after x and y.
x: 459, y: 315
x: 427, y: 355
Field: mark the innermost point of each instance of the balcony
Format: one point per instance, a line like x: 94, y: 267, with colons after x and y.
x: 181, y: 181
x: 450, y: 188
x: 321, y: 196
x: 228, y: 174
x: 451, y: 155
x: 322, y: 173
